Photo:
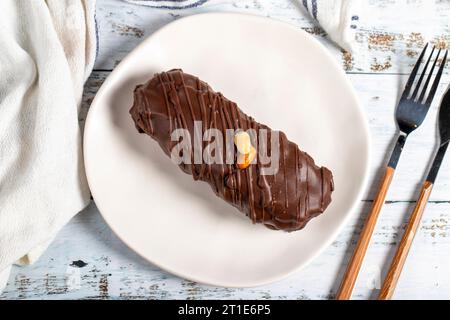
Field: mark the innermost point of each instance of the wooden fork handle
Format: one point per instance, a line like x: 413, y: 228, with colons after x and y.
x: 348, y: 283
x: 402, y: 252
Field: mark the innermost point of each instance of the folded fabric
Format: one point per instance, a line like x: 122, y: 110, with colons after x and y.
x: 47, y: 51
x: 339, y: 18
x: 174, y: 4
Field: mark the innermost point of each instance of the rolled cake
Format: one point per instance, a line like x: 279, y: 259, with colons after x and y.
x: 285, y: 199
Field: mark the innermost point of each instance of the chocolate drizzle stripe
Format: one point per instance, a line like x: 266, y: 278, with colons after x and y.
x: 249, y: 181
x: 307, y: 189
x: 286, y: 199
x: 202, y: 104
x: 166, y: 99
x: 187, y: 97
x: 194, y: 171
x: 296, y: 185
x: 230, y: 125
x: 238, y: 173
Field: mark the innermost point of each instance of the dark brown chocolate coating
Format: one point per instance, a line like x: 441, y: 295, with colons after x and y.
x: 287, y: 200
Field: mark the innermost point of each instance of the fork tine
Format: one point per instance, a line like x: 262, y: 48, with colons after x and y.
x: 425, y: 86
x: 416, y: 90
x: 436, y: 80
x: 413, y: 74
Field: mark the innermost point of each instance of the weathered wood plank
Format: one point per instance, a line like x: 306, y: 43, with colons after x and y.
x: 387, y: 39
x: 88, y: 261
x: 113, y: 271
x: 378, y: 95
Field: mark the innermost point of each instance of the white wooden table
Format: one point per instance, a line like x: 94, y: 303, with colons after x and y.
x: 88, y: 261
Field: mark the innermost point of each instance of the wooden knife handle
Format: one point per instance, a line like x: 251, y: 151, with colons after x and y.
x: 402, y: 252
x: 348, y: 283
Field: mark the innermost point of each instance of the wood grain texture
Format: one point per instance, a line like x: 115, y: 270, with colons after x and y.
x: 393, y: 275
x: 388, y: 38
x: 354, y: 266
x: 87, y: 260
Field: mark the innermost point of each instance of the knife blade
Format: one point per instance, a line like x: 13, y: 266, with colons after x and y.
x: 444, y: 134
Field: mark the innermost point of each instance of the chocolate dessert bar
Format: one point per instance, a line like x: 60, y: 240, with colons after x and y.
x: 283, y: 193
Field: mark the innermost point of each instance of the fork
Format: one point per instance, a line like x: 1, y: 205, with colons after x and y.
x: 411, y: 111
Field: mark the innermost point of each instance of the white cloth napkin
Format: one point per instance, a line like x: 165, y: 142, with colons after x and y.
x: 339, y: 18
x: 47, y: 51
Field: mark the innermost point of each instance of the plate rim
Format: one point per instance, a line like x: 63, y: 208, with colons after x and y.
x: 330, y: 238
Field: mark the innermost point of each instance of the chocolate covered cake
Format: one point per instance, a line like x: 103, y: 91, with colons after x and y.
x: 283, y: 193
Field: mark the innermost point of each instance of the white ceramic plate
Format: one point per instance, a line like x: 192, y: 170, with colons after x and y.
x: 276, y: 73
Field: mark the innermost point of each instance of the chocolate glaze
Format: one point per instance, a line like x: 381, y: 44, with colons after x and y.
x: 287, y: 200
